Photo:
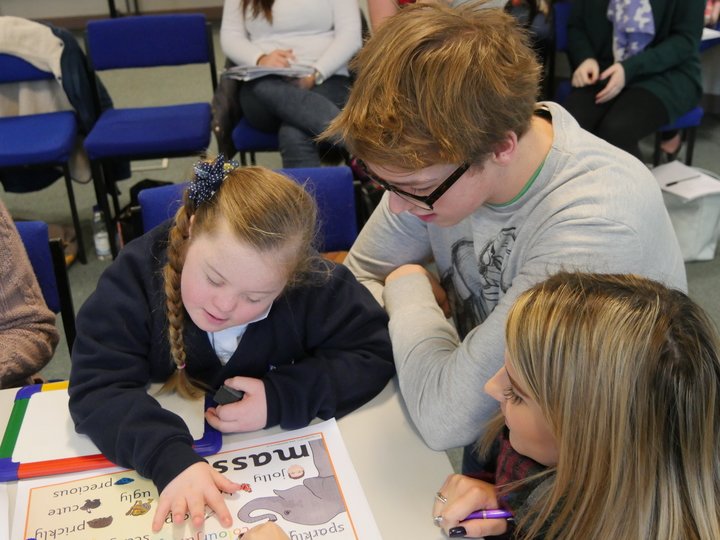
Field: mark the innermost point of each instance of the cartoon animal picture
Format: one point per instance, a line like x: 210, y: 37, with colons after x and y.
x: 90, y: 504
x: 100, y: 523
x: 316, y: 501
x: 139, y: 508
x: 123, y: 481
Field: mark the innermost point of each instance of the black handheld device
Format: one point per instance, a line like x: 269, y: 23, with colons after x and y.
x: 226, y: 395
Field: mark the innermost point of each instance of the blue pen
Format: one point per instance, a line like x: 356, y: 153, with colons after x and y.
x: 490, y: 514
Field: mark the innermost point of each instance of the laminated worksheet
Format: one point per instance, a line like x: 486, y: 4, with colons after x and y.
x: 303, y: 480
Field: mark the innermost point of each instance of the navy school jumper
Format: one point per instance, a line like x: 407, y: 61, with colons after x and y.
x: 323, y: 351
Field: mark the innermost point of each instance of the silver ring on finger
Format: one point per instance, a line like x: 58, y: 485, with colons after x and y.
x: 437, y: 520
x: 440, y: 497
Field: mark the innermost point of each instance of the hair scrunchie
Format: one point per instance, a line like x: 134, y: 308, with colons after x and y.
x: 209, y: 175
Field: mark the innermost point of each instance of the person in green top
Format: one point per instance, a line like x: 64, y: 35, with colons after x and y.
x: 636, y: 67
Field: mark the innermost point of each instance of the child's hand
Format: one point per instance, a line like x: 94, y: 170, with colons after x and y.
x: 465, y: 495
x: 248, y: 414
x: 189, y: 492
x: 265, y: 531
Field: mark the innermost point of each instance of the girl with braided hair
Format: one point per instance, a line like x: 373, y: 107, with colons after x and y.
x: 231, y: 291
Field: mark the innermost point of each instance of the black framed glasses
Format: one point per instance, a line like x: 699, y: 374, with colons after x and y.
x: 422, y: 201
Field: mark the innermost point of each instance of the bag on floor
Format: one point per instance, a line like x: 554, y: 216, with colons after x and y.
x: 696, y: 218
x: 129, y: 221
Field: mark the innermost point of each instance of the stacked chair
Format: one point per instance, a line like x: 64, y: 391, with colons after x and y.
x: 147, y: 132
x: 38, y: 141
x: 332, y: 187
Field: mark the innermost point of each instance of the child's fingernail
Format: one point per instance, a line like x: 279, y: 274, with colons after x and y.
x: 457, y: 532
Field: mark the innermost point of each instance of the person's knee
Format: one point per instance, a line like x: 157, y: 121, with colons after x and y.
x: 255, y: 112
x: 580, y: 103
x: 289, y: 135
x: 266, y: 84
x: 618, y: 130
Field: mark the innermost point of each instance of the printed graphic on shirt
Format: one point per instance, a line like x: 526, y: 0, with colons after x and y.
x: 476, y: 281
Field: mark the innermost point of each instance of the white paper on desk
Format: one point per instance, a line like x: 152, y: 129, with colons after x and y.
x: 47, y: 431
x: 248, y: 73
x: 329, y: 500
x: 685, y: 182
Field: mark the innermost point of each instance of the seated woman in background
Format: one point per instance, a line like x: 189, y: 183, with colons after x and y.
x: 610, y: 399
x: 27, y: 327
x: 636, y: 67
x: 323, y: 34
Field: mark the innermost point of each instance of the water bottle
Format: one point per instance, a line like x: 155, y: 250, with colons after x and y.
x: 100, y: 235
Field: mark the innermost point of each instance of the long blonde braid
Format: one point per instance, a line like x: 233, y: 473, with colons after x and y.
x: 179, y: 235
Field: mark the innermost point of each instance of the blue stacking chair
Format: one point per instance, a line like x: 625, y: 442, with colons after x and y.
x: 158, y: 204
x: 561, y: 17
x: 249, y: 140
x: 687, y: 123
x: 147, y: 132
x: 332, y: 188
x: 39, y: 140
x: 334, y: 194
x: 48, y: 261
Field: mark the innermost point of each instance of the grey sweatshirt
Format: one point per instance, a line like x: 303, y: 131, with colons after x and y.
x: 592, y: 207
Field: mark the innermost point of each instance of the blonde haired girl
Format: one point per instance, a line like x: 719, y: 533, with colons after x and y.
x: 613, y: 383
x: 229, y: 292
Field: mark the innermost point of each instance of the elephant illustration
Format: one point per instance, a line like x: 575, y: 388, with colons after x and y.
x: 314, y: 502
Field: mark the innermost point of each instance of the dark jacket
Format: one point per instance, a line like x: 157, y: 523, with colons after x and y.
x: 323, y: 351
x: 669, y: 67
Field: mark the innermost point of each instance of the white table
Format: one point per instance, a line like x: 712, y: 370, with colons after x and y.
x: 398, y: 472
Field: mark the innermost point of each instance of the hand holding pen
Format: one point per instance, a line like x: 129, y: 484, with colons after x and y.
x: 456, y: 505
x: 495, y: 513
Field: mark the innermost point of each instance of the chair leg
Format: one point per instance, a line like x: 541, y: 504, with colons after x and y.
x: 690, y: 134
x: 101, y: 196
x: 243, y: 159
x: 656, y: 152
x: 111, y: 187
x: 549, y: 82
x: 67, y: 311
x: 82, y: 256
x: 252, y: 159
